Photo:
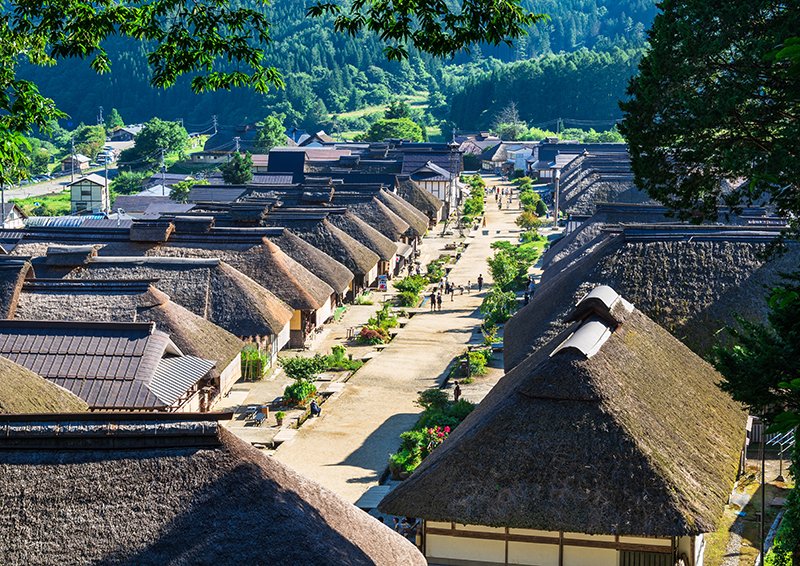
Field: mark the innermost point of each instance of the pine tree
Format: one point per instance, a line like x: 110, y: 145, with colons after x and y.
x: 239, y: 170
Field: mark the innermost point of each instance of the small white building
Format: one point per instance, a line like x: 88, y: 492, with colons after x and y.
x: 89, y: 194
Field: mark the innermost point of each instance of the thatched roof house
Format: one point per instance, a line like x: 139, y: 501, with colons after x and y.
x: 112, y: 366
x: 363, y: 233
x: 336, y: 275
x: 22, y: 391
x: 314, y: 228
x: 417, y: 220
x: 688, y: 279
x: 421, y: 199
x: 208, y: 287
x: 613, y: 429
x: 171, y: 490
x: 375, y: 213
x: 134, y: 301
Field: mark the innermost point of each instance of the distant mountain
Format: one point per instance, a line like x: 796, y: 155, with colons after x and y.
x: 328, y: 72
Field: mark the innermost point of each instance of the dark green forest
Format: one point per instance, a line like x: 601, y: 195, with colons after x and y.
x: 329, y: 73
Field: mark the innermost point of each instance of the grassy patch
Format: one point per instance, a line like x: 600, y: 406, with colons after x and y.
x: 53, y: 204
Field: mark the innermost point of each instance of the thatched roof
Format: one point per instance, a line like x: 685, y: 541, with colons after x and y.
x: 417, y: 220
x: 13, y: 271
x: 689, y: 285
x: 317, y: 231
x: 632, y: 437
x: 362, y: 232
x: 209, y: 288
x: 314, y: 260
x: 128, y: 301
x: 151, y: 231
x: 22, y: 391
x: 263, y: 262
x: 379, y: 216
x: 208, y: 498
x: 419, y: 198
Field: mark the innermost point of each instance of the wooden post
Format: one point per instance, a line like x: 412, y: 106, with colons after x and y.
x: 560, y: 548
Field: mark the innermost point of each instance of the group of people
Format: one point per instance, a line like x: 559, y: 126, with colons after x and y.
x: 447, y: 287
x: 407, y: 527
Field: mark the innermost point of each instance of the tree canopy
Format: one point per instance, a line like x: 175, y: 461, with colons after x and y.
x: 156, y: 135
x: 114, y: 120
x: 239, y: 170
x: 714, y: 116
x: 271, y: 134
x: 396, y: 128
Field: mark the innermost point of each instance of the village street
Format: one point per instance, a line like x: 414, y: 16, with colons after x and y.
x: 347, y: 448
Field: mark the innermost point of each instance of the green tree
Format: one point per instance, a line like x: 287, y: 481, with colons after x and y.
x: 303, y: 369
x: 89, y: 140
x: 270, y: 134
x: 712, y: 103
x: 762, y: 371
x: 158, y: 134
x: 180, y: 191
x: 239, y: 170
x: 498, y: 306
x: 399, y: 128
x: 397, y: 109
x: 127, y: 183
x: 114, y: 120
x: 528, y: 220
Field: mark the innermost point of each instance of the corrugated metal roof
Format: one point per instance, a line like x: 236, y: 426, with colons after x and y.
x: 175, y: 375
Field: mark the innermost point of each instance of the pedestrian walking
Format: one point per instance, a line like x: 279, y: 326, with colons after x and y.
x: 469, y: 287
x: 531, y: 286
x: 433, y: 300
x: 439, y: 302
x: 525, y: 298
x: 456, y: 392
x: 452, y: 291
x: 480, y: 282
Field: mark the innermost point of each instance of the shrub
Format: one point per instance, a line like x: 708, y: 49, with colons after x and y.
x: 518, y: 174
x: 541, y: 208
x: 370, y: 336
x: 255, y: 362
x: 299, y: 391
x: 363, y: 299
x: 523, y: 180
x: 460, y: 409
x: 407, y: 299
x: 303, y: 369
x: 413, y: 283
x: 528, y: 220
x: 432, y: 399
x: 383, y: 319
x: 477, y: 363
x: 498, y: 306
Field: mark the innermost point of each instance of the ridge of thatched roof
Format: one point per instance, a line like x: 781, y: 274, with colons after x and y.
x: 417, y: 220
x: 143, y: 504
x: 22, y: 391
x: 128, y: 301
x: 418, y: 197
x: 314, y: 260
x: 690, y: 286
x: 322, y: 234
x: 590, y: 443
x: 379, y: 216
x: 214, y: 292
x: 363, y: 233
x: 13, y: 272
x: 70, y: 255
x: 261, y: 260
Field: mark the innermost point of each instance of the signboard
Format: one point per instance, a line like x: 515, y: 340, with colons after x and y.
x: 383, y: 284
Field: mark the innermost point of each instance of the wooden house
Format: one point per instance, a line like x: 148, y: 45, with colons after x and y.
x: 422, y: 200
x: 108, y: 300
x: 126, y: 133
x: 89, y: 194
x: 77, y: 163
x: 13, y: 216
x: 119, y: 366
x: 612, y: 445
x: 116, y: 488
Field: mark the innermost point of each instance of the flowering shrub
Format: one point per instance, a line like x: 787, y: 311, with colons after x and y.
x: 299, y: 391
x: 370, y: 336
x: 434, y: 437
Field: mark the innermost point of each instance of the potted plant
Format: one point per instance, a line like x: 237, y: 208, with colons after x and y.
x: 279, y: 416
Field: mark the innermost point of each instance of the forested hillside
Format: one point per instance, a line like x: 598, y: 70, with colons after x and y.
x: 581, y: 87
x: 326, y: 72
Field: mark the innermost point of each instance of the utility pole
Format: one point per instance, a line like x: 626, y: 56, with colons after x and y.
x: 215, y: 124
x: 72, y: 164
x: 106, y: 196
x: 237, y: 139
x: 100, y: 118
x: 163, y: 170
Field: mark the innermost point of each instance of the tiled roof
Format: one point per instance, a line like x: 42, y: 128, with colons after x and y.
x: 108, y: 365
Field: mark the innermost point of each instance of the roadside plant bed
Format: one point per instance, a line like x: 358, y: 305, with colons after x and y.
x: 255, y: 361
x: 478, y: 360
x: 440, y: 417
x: 376, y: 331
x: 304, y: 371
x: 410, y: 288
